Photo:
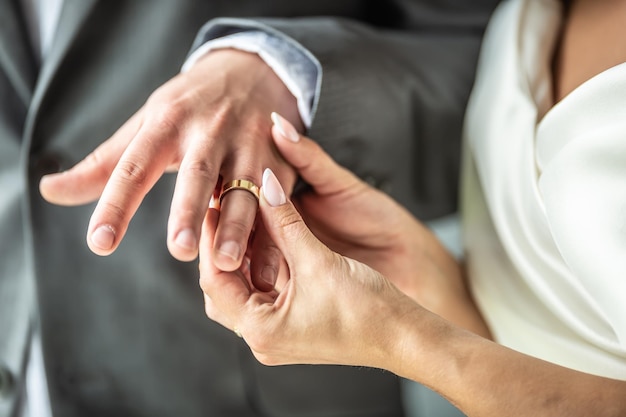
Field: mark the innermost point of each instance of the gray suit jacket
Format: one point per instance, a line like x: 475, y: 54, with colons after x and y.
x: 126, y: 335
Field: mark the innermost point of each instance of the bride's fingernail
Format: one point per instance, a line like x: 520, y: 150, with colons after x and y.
x: 272, y: 190
x: 285, y: 128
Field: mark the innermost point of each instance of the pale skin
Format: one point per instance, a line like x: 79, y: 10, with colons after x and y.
x: 208, y: 124
x: 365, y: 298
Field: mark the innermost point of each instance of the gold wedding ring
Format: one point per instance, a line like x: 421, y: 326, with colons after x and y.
x: 240, y: 185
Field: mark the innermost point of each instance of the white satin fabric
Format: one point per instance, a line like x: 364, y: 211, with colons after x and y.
x: 544, y: 198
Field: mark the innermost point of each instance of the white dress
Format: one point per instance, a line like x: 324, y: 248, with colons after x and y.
x: 544, y: 198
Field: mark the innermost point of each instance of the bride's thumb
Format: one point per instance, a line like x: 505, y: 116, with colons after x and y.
x: 284, y: 224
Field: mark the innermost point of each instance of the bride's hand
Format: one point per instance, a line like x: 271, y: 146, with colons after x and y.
x: 361, y: 222
x: 332, y: 309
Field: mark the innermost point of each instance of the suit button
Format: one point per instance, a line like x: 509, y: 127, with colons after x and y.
x: 44, y: 164
x: 6, y: 382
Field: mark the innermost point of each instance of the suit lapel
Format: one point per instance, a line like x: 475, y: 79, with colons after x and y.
x: 72, y: 17
x: 16, y: 55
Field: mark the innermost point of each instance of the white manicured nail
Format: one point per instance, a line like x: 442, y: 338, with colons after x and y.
x: 272, y: 190
x: 285, y: 128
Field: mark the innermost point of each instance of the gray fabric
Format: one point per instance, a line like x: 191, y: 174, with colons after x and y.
x: 126, y: 335
x: 15, y: 53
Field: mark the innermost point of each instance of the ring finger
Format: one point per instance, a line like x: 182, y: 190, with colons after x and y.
x: 238, y: 208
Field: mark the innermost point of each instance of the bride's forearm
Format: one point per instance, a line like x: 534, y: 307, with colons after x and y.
x: 483, y: 378
x: 442, y: 287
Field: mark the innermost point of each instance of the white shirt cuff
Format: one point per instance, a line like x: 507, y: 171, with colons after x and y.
x: 297, y: 71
